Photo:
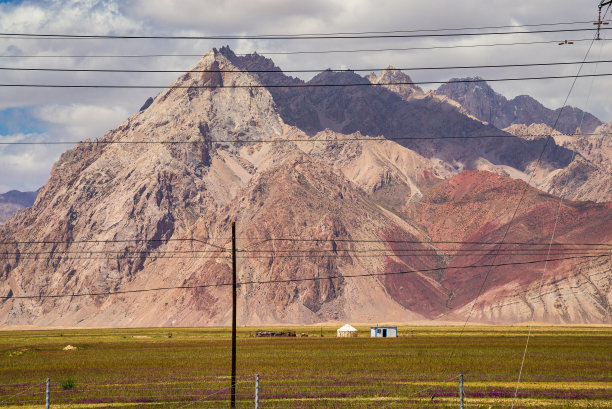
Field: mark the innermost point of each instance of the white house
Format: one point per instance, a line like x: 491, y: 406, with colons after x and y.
x: 383, y: 332
x: 346, y: 331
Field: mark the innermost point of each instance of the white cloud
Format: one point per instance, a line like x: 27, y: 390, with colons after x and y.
x: 82, y: 121
x: 27, y: 167
x: 87, y: 113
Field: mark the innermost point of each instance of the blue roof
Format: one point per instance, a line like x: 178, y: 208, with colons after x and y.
x: 385, y: 327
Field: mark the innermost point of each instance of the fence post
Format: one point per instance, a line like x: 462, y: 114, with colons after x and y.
x: 460, y: 391
x: 47, y: 394
x: 256, y: 391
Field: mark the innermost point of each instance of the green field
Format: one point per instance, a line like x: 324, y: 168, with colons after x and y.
x: 566, y: 367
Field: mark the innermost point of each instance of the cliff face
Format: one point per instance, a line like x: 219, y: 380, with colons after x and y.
x: 589, y: 175
x: 480, y: 100
x: 336, y: 220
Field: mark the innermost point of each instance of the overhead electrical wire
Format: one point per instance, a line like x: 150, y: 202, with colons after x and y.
x: 371, y: 50
x: 523, y: 193
x: 336, y: 251
x: 552, y: 237
x: 514, y: 214
x: 341, y: 240
x: 427, y: 30
x: 278, y: 281
x: 290, y: 140
x: 279, y: 71
x: 356, y: 36
x: 305, y: 255
x: 300, y: 85
x: 200, y: 240
x: 300, y: 239
x: 264, y: 53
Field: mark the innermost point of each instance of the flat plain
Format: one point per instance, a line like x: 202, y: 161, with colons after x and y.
x: 565, y: 367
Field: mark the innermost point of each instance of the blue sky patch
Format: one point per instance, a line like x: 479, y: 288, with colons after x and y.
x: 19, y: 120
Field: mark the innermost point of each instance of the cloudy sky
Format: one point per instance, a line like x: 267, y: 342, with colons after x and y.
x: 40, y: 114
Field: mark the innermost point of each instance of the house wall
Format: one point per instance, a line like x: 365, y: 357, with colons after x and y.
x: 391, y: 332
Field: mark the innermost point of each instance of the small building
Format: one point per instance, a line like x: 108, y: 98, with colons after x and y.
x: 383, y: 332
x: 346, y: 331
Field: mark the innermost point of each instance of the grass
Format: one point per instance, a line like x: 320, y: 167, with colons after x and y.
x: 566, y: 367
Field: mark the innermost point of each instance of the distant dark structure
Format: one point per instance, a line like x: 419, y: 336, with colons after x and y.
x: 275, y: 334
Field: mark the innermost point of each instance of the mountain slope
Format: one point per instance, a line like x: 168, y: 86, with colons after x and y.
x: 335, y: 221
x: 416, y: 123
x: 480, y: 100
x: 477, y: 207
x: 589, y: 175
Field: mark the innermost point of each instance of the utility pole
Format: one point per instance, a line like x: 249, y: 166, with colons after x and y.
x: 233, y: 386
x: 460, y: 391
x: 599, y: 22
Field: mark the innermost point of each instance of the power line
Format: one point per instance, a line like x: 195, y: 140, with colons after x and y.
x: 298, y: 239
x: 514, y: 214
x: 111, y: 241
x: 279, y: 71
x: 340, y: 240
x: 264, y: 53
x: 198, y: 256
x: 365, y: 256
x: 280, y: 281
x: 316, y: 251
x: 371, y: 50
x: 552, y: 237
x: 301, y: 85
x: 331, y: 140
x: 326, y: 35
x: 356, y: 36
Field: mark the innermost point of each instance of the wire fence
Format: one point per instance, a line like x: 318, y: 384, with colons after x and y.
x: 282, y: 392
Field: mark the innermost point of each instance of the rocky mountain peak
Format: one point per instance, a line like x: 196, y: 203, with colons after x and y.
x: 215, y: 100
x: 480, y: 100
x: 398, y: 82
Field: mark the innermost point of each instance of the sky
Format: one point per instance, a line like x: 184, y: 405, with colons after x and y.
x: 40, y: 114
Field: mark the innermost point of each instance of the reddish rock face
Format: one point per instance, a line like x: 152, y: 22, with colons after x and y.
x: 480, y: 207
x: 330, y: 226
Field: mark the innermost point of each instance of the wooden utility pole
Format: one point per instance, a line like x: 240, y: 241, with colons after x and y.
x: 233, y: 386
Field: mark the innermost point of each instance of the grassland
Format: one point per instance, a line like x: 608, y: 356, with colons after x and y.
x: 566, y: 367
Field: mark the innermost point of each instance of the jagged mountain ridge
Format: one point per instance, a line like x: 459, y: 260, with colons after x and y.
x: 589, y: 175
x: 480, y: 100
x: 167, y: 208
x: 378, y: 111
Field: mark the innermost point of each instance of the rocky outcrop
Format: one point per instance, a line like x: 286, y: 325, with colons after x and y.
x: 480, y: 100
x: 589, y: 175
x: 395, y: 81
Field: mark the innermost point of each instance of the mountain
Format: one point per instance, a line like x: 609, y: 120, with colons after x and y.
x: 13, y: 201
x: 343, y: 212
x: 418, y: 123
x: 589, y: 175
x: 480, y: 100
x: 390, y: 75
x: 476, y: 207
